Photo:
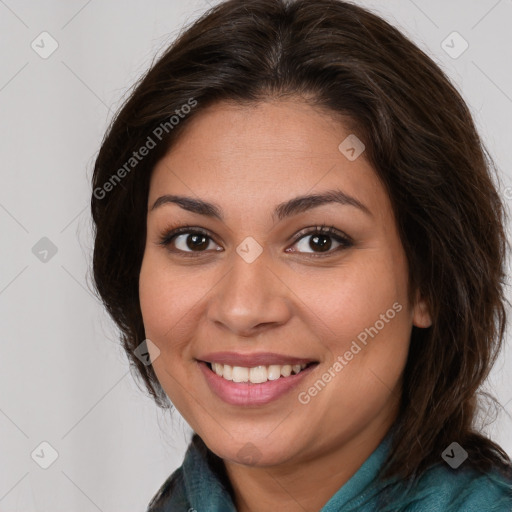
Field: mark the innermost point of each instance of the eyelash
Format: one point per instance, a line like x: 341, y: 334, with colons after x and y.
x: 172, y: 232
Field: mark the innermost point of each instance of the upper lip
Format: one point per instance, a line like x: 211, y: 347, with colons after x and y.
x: 252, y: 360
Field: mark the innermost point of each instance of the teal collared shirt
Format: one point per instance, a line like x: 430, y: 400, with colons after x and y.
x: 197, y: 486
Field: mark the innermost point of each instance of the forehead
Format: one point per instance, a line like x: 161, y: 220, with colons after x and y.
x: 266, y: 153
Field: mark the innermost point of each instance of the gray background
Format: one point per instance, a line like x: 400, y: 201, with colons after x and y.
x: 63, y: 377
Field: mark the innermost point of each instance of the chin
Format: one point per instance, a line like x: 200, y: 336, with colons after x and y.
x: 259, y: 453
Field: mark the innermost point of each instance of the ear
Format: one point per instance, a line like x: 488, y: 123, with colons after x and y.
x: 421, y: 314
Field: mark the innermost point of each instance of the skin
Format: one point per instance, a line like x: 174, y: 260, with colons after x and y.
x: 247, y: 160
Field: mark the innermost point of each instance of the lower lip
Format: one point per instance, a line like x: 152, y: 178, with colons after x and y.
x: 247, y: 393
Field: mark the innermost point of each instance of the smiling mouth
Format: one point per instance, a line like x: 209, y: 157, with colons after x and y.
x: 257, y: 374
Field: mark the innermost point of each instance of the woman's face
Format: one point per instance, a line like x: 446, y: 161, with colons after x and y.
x: 246, y: 292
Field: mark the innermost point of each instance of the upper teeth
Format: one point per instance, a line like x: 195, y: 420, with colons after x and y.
x: 257, y: 374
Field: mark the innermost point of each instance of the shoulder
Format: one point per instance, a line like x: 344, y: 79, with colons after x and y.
x: 198, y: 479
x: 170, y: 496
x: 461, y: 490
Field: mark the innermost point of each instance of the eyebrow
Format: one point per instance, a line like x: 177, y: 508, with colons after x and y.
x: 283, y: 210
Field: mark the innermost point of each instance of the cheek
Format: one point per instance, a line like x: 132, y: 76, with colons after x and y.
x: 166, y: 302
x: 166, y: 298
x: 353, y: 298
x: 362, y: 316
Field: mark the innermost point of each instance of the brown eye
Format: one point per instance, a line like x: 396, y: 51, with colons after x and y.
x: 193, y: 241
x: 186, y: 240
x: 321, y: 241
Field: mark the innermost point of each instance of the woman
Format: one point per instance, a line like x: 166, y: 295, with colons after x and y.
x: 299, y: 237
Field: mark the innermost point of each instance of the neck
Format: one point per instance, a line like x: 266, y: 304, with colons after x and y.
x: 304, y: 485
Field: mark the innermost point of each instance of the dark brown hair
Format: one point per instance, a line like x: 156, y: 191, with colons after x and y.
x: 421, y: 140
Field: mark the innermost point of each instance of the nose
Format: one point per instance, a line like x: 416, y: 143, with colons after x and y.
x: 250, y: 298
